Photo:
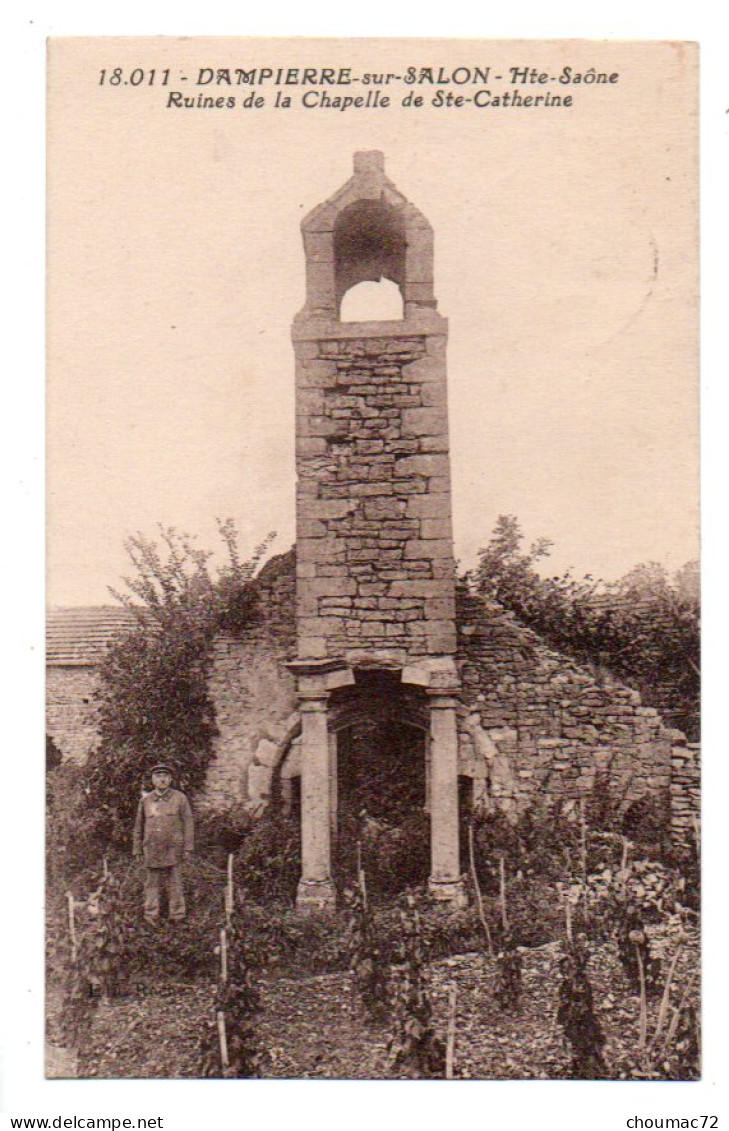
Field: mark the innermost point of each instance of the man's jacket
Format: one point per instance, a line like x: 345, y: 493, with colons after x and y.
x: 163, y: 829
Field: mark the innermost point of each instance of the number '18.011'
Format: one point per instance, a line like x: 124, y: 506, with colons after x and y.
x: 137, y: 77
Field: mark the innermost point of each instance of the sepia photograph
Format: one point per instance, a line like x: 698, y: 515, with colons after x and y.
x: 372, y: 641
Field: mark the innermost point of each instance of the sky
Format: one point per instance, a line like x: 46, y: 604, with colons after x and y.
x: 565, y: 262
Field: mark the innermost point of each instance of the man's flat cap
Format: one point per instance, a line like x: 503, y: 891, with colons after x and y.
x: 162, y: 766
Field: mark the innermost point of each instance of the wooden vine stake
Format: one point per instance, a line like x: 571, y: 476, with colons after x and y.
x: 477, y: 890
x: 671, y: 1033
x: 229, y: 891
x: 624, y: 858
x: 223, y: 956
x: 363, y: 887
x: 105, y: 866
x: 568, y: 916
x: 583, y: 839
x: 451, y: 1037
x: 220, y: 1014
x: 72, y: 925
x: 665, y: 1000
x: 643, y: 1021
x: 583, y: 852
x: 502, y: 893
x: 222, y: 1040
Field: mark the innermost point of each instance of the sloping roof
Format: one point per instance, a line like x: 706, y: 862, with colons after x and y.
x: 79, y: 636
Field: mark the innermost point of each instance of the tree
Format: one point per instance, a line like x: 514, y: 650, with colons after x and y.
x: 504, y: 572
x: 153, y: 698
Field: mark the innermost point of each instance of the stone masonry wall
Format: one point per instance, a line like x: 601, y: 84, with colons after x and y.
x: 70, y: 711
x: 685, y: 792
x: 374, y: 544
x: 255, y: 705
x: 253, y: 694
x: 548, y: 726
x: 254, y: 702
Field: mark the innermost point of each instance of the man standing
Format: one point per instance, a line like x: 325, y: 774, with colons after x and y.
x: 163, y: 836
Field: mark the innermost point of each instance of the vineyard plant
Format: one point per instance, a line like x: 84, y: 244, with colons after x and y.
x: 582, y: 964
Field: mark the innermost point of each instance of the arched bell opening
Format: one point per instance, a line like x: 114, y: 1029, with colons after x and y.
x: 372, y: 302
x: 380, y: 746
x: 369, y: 246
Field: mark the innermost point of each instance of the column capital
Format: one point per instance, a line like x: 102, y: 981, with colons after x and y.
x: 315, y: 667
x: 312, y: 700
x: 443, y: 698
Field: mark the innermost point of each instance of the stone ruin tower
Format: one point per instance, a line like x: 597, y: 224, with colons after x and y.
x: 377, y: 683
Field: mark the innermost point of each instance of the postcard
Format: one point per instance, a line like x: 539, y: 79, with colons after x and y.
x: 372, y: 643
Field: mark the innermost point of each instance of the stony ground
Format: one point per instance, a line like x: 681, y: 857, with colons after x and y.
x: 314, y: 1027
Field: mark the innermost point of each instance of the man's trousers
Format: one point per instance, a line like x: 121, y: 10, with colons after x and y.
x: 156, y: 880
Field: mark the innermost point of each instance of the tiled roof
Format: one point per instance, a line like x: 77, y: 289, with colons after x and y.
x: 79, y: 636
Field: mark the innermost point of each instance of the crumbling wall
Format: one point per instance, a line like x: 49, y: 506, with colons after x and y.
x: 254, y: 700
x: 554, y: 728
x: 685, y: 792
x: 254, y: 695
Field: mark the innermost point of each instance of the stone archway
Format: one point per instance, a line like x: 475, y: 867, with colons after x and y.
x: 333, y: 697
x: 379, y: 741
x: 380, y: 727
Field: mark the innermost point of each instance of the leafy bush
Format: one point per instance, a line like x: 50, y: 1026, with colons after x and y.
x: 72, y: 846
x: 296, y: 945
x: 535, y: 913
x: 94, y: 959
x: 238, y: 1000
x: 368, y: 971
x: 538, y: 845
x: 507, y: 990
x: 394, y: 853
x: 577, y: 1017
x: 153, y: 699
x: 545, y: 852
x: 396, y: 856
x: 220, y: 832
x: 54, y: 757
x: 686, y: 862
x: 415, y: 1051
x: 644, y: 884
x: 645, y: 821
x: 279, y: 938
x: 183, y: 949
x: 268, y: 864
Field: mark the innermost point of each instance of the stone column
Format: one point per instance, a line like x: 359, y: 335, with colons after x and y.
x: 445, y: 876
x: 427, y: 772
x: 333, y: 784
x: 316, y: 890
